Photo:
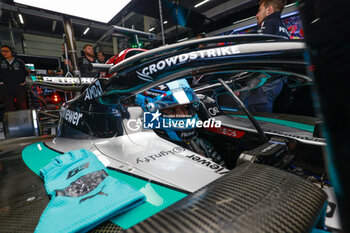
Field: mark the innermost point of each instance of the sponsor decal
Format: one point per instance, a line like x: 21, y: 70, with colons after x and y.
x: 71, y: 116
x: 282, y: 29
x: 146, y: 72
x: 94, y: 91
x: 188, y: 134
x: 227, y: 131
x: 210, y: 164
x: 4, y: 65
x: 154, y: 157
x: 16, y: 66
x: 76, y: 170
x: 66, y: 80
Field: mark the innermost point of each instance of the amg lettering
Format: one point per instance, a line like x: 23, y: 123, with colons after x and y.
x: 94, y: 91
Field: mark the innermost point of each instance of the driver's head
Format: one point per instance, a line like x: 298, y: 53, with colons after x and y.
x: 176, y: 102
x: 177, y: 111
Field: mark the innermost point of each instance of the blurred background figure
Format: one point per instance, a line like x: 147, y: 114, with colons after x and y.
x: 85, y: 61
x: 269, y: 20
x: 101, y: 57
x: 200, y: 36
x: 12, y: 78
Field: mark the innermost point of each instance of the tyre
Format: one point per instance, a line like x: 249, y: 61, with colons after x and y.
x: 21, y: 123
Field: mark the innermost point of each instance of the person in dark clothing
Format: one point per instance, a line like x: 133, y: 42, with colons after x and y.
x: 64, y: 70
x: 269, y: 19
x: 101, y: 57
x: 12, y: 76
x: 85, y: 61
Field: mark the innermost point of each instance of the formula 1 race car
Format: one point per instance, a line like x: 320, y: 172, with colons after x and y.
x: 274, y: 179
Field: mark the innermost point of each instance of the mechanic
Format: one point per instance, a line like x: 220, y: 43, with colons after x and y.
x: 12, y: 76
x: 85, y: 61
x: 176, y: 102
x: 101, y: 57
x: 269, y: 19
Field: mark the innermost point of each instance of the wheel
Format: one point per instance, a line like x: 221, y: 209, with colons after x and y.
x: 21, y: 123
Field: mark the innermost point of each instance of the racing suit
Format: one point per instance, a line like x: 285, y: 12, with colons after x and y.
x: 261, y: 99
x: 12, y: 75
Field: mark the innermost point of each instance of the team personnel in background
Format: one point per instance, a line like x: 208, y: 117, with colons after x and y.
x: 85, y: 61
x: 64, y: 70
x: 269, y: 19
x: 101, y: 57
x: 12, y: 78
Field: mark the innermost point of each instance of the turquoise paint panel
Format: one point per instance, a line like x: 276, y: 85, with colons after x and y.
x: 309, y: 128
x: 158, y: 197
x: 37, y: 156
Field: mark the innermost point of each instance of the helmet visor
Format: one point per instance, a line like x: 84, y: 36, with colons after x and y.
x: 176, y: 97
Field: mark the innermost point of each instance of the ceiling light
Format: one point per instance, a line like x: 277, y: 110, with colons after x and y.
x: 86, y: 30
x: 107, y: 8
x: 165, y: 22
x: 151, y: 29
x: 201, y: 3
x: 21, y: 18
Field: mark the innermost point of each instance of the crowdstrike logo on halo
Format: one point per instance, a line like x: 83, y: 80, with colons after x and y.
x: 153, y: 121
x: 147, y: 71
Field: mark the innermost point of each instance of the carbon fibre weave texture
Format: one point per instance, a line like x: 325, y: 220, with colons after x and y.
x: 251, y: 198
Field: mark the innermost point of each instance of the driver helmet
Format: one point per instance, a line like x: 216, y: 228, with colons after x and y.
x: 175, y: 104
